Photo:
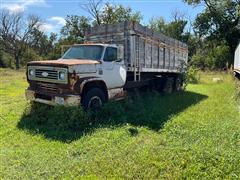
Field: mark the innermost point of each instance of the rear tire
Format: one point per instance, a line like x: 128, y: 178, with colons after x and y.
x: 93, y: 99
x: 168, y: 85
x: 178, y: 84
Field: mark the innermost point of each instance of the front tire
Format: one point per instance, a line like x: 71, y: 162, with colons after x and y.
x: 236, y: 75
x: 93, y: 99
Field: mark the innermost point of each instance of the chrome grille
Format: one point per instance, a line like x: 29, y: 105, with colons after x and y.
x: 48, y: 74
x: 51, y: 74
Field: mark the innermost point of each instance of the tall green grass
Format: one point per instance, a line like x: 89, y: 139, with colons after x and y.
x: 189, y: 135
x: 237, y: 94
x: 69, y: 123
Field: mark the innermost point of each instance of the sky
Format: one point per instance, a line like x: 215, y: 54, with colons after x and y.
x: 53, y: 12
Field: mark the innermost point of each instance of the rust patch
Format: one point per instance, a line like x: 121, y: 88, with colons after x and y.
x: 67, y: 100
x: 116, y: 94
x: 86, y: 80
x: 52, y: 88
x: 64, y: 62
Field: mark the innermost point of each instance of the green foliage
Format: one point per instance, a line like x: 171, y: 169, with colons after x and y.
x: 30, y: 55
x: 157, y: 24
x: 2, y: 63
x: 21, y: 38
x: 192, y: 76
x: 16, y: 33
x: 6, y: 60
x: 194, y: 43
x: 174, y: 29
x: 117, y: 13
x: 192, y: 134
x: 221, y: 56
x: 219, y: 21
x: 212, y: 56
x: 74, y: 29
x: 43, y: 44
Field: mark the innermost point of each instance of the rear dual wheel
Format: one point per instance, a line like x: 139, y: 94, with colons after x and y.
x: 172, y: 84
x: 168, y: 85
x: 178, y: 84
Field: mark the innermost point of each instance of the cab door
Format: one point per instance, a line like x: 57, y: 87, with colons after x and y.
x: 113, y: 69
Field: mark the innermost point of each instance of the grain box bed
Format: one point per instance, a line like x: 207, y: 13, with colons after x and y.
x: 143, y: 49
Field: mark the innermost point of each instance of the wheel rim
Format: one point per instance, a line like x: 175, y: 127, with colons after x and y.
x: 95, y: 103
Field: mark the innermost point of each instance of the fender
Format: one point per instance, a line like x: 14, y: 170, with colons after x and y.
x: 83, y: 81
x: 111, y: 94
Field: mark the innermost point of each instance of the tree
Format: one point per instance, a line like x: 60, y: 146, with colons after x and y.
x: 157, y: 24
x: 220, y: 20
x: 75, y: 28
x: 117, y: 13
x: 41, y: 43
x: 212, y: 55
x: 93, y: 7
x: 72, y: 32
x: 15, y: 33
x: 109, y: 13
x: 174, y: 29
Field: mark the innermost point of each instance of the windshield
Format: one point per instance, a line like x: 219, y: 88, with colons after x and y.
x: 92, y: 52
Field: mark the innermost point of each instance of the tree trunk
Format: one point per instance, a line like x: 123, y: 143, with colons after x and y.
x: 17, y: 62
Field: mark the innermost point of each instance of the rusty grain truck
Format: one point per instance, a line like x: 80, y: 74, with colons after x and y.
x: 113, y: 59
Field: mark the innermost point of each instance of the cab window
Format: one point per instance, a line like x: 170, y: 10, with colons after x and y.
x: 110, y: 54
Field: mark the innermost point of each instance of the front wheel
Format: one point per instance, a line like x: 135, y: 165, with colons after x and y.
x: 236, y: 75
x: 93, y: 99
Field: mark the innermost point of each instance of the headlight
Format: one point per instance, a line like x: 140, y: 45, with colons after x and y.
x: 61, y: 75
x: 31, y: 72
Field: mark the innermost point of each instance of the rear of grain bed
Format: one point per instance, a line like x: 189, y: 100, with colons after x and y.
x: 144, y: 49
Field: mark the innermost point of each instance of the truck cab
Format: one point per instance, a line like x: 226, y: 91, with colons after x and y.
x: 87, y: 74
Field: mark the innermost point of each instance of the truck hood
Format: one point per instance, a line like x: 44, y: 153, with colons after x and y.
x: 73, y: 65
x: 66, y: 62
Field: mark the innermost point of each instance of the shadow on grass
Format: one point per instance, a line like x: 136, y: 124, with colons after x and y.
x: 144, y: 109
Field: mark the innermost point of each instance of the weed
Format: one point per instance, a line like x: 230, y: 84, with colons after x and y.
x: 192, y: 76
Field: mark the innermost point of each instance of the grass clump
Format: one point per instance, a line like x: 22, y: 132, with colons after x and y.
x: 237, y: 92
x: 59, y: 122
x: 192, y: 76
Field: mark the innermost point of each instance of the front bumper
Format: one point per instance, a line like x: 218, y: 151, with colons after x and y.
x: 66, y: 100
